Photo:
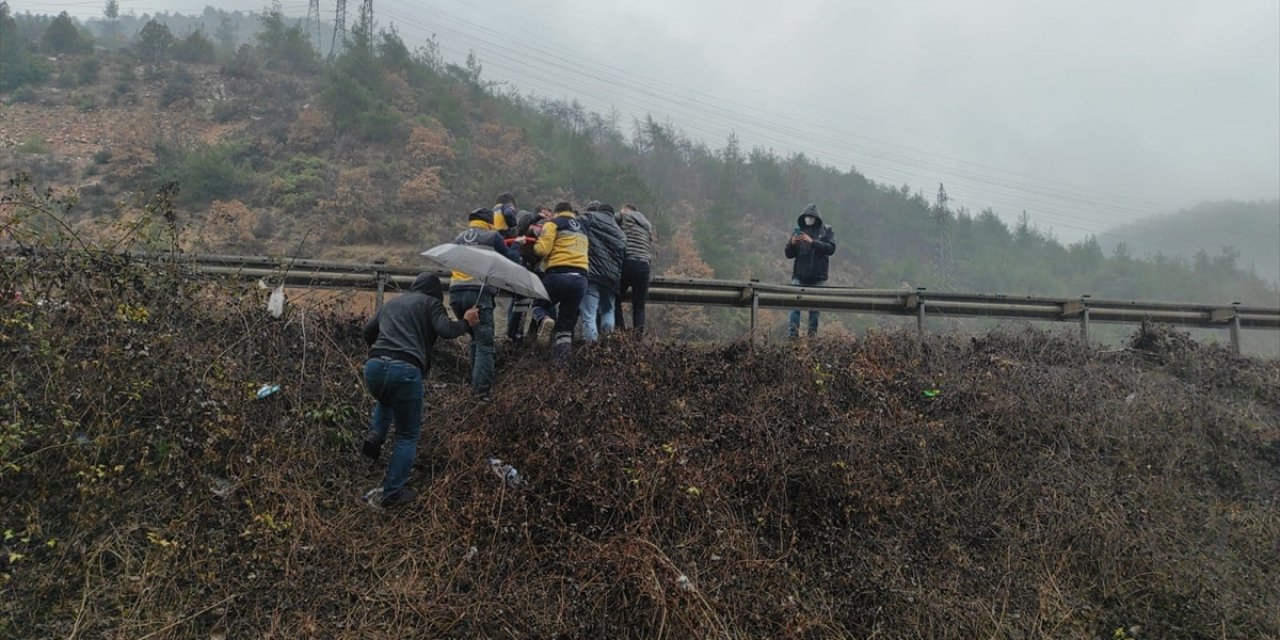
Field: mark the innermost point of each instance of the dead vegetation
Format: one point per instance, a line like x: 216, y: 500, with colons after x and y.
x: 1009, y: 485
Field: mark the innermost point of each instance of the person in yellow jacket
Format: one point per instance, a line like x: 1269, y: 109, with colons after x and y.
x: 563, y: 246
x: 504, y: 215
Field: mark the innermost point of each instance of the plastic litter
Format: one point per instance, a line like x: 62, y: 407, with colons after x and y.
x: 508, y: 473
x: 931, y: 393
x: 268, y: 390
x: 275, y: 304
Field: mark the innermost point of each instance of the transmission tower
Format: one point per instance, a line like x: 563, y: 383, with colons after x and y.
x: 313, y: 21
x: 944, y: 263
x: 339, y: 27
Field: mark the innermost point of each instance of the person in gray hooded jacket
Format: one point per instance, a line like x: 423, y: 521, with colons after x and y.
x: 635, y: 263
x: 401, y: 336
x: 810, y: 246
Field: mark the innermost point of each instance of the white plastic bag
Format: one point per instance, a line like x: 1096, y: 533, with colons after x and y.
x: 275, y: 304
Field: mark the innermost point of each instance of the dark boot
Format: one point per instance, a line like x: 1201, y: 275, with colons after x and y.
x: 372, y: 446
x: 561, y: 351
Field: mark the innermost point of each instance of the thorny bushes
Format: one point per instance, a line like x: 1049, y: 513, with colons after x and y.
x: 1009, y: 485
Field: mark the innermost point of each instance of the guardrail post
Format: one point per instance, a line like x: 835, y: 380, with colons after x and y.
x: 1235, y: 329
x: 381, y: 276
x: 755, y: 310
x: 920, y: 310
x: 1084, y: 319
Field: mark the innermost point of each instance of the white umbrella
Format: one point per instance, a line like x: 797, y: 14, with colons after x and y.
x: 490, y: 266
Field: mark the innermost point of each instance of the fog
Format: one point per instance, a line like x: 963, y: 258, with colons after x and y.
x: 1084, y: 114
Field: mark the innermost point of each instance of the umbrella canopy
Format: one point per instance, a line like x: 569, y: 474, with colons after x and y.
x: 491, y: 267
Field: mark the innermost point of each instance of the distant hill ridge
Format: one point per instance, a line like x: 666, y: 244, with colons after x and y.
x: 1250, y: 228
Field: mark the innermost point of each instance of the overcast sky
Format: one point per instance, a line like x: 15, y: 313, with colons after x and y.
x: 1085, y: 114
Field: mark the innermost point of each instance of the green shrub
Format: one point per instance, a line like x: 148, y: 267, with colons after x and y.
x: 243, y: 65
x: 226, y: 111
x: 35, y: 144
x: 18, y: 66
x: 195, y: 47
x: 22, y: 95
x: 154, y: 42
x: 298, y: 184
x: 356, y: 109
x: 285, y: 48
x: 203, y: 173
x: 85, y: 102
x: 63, y: 36
x: 179, y: 86
x: 87, y: 72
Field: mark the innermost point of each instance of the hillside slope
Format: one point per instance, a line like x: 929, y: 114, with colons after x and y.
x: 1010, y: 485
x: 1252, y: 229
x: 379, y: 151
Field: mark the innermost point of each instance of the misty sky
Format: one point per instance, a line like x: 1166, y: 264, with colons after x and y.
x: 1085, y: 114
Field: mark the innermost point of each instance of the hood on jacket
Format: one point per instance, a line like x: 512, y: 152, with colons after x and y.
x: 482, y: 214
x: 428, y: 283
x: 594, y: 205
x: 811, y: 210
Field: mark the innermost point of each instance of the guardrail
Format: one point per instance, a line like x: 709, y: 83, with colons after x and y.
x: 752, y: 294
x: 379, y: 277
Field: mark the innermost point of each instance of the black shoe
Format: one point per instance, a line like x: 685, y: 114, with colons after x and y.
x: 399, y: 498
x: 371, y: 448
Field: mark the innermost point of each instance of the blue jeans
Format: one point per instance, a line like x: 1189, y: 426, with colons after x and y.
x: 793, y: 328
x: 482, y: 357
x: 597, y: 302
x: 397, y: 386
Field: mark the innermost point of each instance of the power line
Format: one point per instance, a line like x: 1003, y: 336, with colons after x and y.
x: 738, y: 117
x: 668, y: 85
x: 784, y: 134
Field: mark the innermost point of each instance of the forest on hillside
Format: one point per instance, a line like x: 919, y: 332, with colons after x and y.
x: 381, y: 147
x: 1249, y: 229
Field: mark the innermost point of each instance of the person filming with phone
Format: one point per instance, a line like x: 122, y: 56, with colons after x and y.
x: 810, y: 247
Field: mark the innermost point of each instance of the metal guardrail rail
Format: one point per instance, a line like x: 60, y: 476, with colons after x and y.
x: 921, y: 303
x: 379, y: 277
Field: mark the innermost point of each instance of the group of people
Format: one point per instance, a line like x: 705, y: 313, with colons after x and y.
x: 588, y: 262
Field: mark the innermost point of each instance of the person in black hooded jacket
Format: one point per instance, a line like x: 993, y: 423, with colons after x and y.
x: 810, y: 246
x: 604, y: 275
x: 401, y: 336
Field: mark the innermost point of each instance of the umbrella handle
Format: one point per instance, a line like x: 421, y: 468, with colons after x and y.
x: 482, y: 283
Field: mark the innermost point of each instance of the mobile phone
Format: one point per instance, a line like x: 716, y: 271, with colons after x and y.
x: 796, y: 231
